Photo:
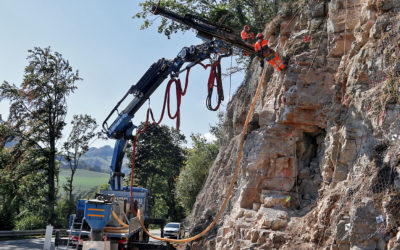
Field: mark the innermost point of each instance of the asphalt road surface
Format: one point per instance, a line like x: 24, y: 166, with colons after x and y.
x: 37, y: 243
x: 34, y: 243
x: 155, y: 232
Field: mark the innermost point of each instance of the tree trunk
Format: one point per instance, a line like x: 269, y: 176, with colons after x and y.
x: 50, y: 180
x: 71, y: 202
x: 70, y: 184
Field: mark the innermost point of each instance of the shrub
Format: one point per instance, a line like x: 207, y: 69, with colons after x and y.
x: 30, y: 222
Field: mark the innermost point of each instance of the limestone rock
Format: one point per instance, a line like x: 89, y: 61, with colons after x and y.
x: 321, y: 157
x: 363, y: 225
x: 272, y: 199
x: 272, y: 218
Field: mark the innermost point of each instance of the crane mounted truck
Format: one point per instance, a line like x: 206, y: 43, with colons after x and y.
x: 109, y: 214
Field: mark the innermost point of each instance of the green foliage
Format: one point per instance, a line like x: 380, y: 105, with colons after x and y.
x: 159, y: 158
x: 232, y: 13
x: 193, y: 176
x: 77, y: 144
x: 38, y: 107
x: 30, y: 222
x: 7, y: 214
x: 199, y: 160
x: 7, y: 206
x: 65, y: 206
x: 35, y: 123
x: 7, y: 209
x: 22, y: 184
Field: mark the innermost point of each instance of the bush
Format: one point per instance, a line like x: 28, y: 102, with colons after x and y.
x: 6, y: 218
x: 64, y: 208
x: 30, y: 222
x: 194, y: 174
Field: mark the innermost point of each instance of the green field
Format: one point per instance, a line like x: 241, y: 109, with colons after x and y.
x: 84, y: 180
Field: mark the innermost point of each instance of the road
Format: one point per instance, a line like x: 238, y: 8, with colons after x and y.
x: 34, y: 243
x: 155, y: 232
x: 37, y: 243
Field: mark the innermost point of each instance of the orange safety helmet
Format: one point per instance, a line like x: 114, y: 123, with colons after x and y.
x: 260, y: 36
x: 246, y: 28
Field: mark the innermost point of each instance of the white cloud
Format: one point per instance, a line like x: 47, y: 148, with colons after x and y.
x: 209, y: 137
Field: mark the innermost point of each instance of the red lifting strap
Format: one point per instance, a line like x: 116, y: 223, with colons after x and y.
x: 215, y: 75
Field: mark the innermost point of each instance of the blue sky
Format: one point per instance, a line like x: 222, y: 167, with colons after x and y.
x: 103, y: 42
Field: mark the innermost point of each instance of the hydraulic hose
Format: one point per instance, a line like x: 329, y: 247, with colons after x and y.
x: 123, y: 229
x: 233, y: 179
x: 124, y: 225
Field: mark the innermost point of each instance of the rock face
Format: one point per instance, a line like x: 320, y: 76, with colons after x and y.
x: 321, y: 160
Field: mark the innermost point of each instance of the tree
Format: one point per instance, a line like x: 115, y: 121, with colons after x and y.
x: 22, y: 184
x: 7, y: 212
x: 38, y: 108
x: 232, y: 13
x: 77, y: 144
x: 199, y: 160
x: 194, y: 174
x: 159, y: 158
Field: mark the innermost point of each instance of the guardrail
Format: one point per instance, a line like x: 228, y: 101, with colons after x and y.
x: 37, y: 232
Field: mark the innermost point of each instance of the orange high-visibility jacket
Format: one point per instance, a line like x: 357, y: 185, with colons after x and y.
x: 245, y: 35
x: 261, y: 45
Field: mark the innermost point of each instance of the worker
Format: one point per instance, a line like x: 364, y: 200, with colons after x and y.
x: 264, y: 52
x: 246, y: 36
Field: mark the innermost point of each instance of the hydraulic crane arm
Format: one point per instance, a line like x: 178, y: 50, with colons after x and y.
x: 143, y: 89
x: 122, y: 128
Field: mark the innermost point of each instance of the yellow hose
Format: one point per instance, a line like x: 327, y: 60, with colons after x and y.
x: 122, y: 229
x: 117, y: 231
x: 119, y: 220
x: 233, y: 179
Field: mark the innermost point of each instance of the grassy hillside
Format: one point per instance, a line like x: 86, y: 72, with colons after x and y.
x: 96, y: 159
x: 85, y: 181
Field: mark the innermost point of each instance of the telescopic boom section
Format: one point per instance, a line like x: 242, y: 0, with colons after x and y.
x: 206, y: 28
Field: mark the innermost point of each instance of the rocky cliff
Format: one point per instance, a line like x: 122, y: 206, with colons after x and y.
x: 321, y: 160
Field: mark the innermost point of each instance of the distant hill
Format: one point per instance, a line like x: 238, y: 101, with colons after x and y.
x: 96, y: 159
x: 105, y: 151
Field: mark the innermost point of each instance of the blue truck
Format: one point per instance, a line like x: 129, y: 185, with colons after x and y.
x: 108, y: 215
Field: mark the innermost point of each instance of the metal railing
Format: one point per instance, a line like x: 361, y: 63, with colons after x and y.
x: 37, y: 232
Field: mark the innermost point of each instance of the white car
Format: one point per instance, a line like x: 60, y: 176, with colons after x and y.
x: 174, y: 229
